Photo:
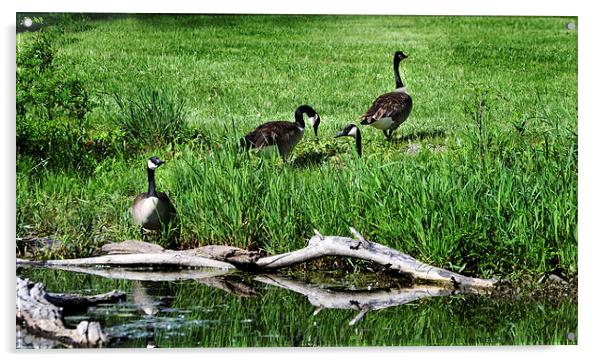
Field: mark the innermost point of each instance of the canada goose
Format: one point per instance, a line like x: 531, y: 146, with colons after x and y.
x: 390, y: 110
x: 284, y: 135
x: 152, y: 209
x: 351, y: 130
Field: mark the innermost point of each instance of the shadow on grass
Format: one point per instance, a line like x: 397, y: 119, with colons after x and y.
x: 312, y: 158
x: 420, y: 135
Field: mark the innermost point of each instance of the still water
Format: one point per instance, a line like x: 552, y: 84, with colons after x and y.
x: 192, y: 309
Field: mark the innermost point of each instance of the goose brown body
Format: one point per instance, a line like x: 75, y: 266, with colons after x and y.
x: 282, y: 134
x: 388, y: 111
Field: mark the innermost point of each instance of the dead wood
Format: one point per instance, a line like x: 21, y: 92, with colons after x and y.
x: 137, y: 253
x: 40, y: 316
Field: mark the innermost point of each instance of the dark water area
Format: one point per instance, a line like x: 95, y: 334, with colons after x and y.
x: 242, y: 310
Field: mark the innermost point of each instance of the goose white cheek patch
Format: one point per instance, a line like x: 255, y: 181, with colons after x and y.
x: 151, y: 165
x: 353, y: 131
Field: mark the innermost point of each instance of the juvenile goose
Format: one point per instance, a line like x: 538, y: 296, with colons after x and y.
x: 351, y: 130
x: 152, y: 209
x: 390, y: 110
x: 284, y: 135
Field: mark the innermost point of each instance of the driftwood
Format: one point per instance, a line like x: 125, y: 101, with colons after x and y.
x: 35, y: 308
x: 364, y: 301
x: 136, y: 253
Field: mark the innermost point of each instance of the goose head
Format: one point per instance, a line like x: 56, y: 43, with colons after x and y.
x: 154, y: 162
x: 315, y: 123
x: 312, y: 117
x: 399, y: 56
x: 352, y: 130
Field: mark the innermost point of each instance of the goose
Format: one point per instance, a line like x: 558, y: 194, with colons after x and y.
x: 282, y: 134
x: 152, y: 209
x: 351, y: 130
x: 390, y: 110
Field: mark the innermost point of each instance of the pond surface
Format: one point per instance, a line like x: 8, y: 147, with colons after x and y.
x: 242, y: 310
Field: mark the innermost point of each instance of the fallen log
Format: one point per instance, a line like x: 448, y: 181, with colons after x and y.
x: 225, y: 257
x: 40, y: 316
x: 173, y: 259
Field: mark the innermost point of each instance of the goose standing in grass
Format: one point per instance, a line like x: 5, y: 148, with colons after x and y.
x: 351, y: 130
x: 152, y: 209
x: 282, y: 134
x: 390, y: 110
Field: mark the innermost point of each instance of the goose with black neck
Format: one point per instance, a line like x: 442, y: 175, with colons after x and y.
x: 391, y: 109
x: 351, y: 130
x: 152, y: 209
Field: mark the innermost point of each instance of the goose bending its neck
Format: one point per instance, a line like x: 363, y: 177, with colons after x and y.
x: 351, y: 130
x: 390, y: 110
x: 282, y: 134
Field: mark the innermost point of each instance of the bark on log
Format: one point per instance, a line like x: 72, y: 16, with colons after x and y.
x: 41, y: 316
x: 320, y: 246
x: 226, y: 257
x: 173, y: 259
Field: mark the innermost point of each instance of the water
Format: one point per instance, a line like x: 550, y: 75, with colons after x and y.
x: 242, y: 310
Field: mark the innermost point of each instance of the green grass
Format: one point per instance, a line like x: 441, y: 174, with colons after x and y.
x: 491, y: 195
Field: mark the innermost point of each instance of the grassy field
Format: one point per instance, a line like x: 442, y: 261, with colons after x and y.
x: 491, y: 190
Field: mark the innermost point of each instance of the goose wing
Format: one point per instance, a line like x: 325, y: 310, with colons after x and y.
x: 387, y: 105
x: 166, y: 203
x: 271, y: 133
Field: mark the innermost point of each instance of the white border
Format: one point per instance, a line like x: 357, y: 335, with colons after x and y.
x: 589, y: 161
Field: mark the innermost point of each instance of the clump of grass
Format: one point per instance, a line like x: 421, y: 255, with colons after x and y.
x: 152, y: 118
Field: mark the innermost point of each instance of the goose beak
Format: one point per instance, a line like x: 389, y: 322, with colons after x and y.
x: 340, y: 134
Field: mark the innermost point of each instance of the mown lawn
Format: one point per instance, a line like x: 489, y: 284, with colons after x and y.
x: 481, y: 178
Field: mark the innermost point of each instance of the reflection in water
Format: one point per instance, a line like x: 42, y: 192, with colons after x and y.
x: 148, y: 305
x: 194, y: 308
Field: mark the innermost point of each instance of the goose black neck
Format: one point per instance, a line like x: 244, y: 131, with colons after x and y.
x: 358, y: 143
x: 398, y: 82
x: 299, y: 114
x: 151, y: 183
